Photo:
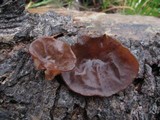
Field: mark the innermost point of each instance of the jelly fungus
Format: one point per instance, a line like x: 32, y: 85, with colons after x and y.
x: 52, y: 55
x: 104, y: 67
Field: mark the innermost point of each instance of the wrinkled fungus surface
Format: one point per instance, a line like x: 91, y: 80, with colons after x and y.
x: 52, y: 55
x: 103, y: 67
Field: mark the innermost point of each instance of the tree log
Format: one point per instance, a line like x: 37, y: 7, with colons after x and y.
x: 26, y: 95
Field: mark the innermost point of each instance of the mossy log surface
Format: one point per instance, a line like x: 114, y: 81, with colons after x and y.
x: 26, y: 95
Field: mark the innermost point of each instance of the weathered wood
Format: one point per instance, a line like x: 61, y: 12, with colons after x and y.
x: 25, y: 95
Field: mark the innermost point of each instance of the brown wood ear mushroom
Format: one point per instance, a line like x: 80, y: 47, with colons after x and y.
x: 103, y: 68
x: 52, y: 55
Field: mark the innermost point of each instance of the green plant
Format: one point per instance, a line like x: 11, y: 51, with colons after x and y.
x: 143, y: 7
x: 131, y: 7
x: 58, y: 3
x: 43, y: 2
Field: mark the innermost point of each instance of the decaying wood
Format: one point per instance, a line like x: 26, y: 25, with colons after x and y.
x: 26, y: 95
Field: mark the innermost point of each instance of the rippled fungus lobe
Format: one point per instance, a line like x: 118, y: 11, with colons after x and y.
x: 52, y: 55
x: 103, y: 67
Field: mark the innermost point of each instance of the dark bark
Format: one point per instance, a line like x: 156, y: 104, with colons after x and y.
x: 26, y: 95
